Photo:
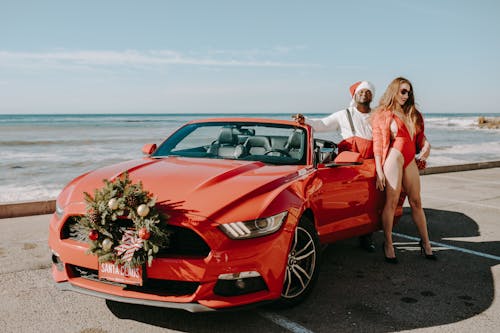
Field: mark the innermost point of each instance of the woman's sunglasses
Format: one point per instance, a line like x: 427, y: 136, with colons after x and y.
x: 405, y: 92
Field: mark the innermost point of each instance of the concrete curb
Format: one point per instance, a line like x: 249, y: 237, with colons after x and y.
x: 28, y: 208
x: 460, y: 167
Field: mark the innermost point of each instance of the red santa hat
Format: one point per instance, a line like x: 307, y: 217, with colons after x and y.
x: 358, y: 86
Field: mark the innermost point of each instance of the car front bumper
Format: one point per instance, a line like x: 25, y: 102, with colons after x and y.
x: 266, y: 255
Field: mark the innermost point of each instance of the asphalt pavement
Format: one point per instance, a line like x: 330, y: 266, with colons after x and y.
x: 356, y: 292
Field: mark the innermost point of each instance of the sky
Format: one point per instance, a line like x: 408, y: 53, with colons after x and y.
x: 235, y: 57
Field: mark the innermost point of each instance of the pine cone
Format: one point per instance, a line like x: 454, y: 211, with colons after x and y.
x: 94, y: 218
x: 132, y: 201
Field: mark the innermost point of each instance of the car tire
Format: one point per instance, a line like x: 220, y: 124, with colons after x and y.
x: 302, y: 267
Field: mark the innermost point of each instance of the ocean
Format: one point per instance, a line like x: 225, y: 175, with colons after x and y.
x: 39, y: 154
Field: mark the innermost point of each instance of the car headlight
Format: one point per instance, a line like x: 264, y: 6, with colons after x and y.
x: 254, y: 228
x: 59, y: 210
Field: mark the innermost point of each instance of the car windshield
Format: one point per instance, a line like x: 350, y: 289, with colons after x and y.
x: 266, y: 142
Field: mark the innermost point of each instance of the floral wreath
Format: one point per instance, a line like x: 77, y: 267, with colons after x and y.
x: 131, y: 245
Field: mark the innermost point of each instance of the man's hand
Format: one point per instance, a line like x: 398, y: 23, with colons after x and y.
x: 298, y: 117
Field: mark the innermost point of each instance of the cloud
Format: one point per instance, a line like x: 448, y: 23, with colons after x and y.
x: 135, y: 58
x: 278, y: 50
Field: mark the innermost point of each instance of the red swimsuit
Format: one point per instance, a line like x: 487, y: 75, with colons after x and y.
x: 403, y: 142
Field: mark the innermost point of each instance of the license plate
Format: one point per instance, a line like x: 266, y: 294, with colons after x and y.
x: 119, y: 273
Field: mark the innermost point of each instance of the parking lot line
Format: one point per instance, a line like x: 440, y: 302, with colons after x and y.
x: 285, y: 322
x: 456, y: 248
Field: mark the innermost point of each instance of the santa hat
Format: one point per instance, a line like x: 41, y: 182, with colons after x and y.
x: 358, y: 86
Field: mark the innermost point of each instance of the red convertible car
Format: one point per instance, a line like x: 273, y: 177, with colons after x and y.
x: 249, y: 202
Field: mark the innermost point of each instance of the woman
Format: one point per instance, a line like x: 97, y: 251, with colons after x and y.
x: 398, y: 131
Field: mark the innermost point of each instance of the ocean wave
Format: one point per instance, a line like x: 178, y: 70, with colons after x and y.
x: 447, y: 122
x: 445, y: 160
x: 15, y: 143
x: 473, y: 149
x: 13, y: 193
x: 464, y: 153
x: 441, y: 148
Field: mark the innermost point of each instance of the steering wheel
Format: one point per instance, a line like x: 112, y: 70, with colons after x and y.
x: 280, y: 151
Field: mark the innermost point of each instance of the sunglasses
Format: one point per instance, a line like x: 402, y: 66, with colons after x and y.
x: 405, y: 92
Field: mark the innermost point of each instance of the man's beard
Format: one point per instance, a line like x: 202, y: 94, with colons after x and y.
x: 367, y: 103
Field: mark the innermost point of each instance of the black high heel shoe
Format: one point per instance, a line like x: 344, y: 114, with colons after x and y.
x: 431, y: 256
x: 387, y: 259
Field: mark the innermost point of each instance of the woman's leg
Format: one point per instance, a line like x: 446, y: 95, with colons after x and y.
x: 393, y: 171
x: 411, y: 183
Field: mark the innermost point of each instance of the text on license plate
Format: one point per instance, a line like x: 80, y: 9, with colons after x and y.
x: 120, y: 273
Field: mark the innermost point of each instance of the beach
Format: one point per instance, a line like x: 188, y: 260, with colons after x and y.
x: 42, y: 153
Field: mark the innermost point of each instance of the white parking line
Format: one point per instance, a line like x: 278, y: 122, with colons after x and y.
x: 285, y: 322
x: 456, y: 248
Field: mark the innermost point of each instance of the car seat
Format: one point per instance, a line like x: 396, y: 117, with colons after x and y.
x: 294, y: 145
x: 226, y: 144
x: 256, y: 145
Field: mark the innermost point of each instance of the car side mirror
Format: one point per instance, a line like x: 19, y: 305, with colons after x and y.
x: 149, y: 148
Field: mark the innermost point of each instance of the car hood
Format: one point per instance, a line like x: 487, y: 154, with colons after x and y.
x: 204, y: 187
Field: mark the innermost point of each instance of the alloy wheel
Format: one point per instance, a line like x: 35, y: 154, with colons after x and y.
x: 301, y: 265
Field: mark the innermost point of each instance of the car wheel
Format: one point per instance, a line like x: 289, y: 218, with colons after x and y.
x: 302, y: 265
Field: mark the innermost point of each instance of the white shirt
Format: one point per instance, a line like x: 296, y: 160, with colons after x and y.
x: 340, y: 121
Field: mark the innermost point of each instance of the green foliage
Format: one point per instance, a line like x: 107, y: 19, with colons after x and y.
x: 116, y: 202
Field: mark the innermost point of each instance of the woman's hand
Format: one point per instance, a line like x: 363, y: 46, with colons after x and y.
x: 424, y: 154
x: 421, y: 164
x: 380, y: 181
x: 426, y: 151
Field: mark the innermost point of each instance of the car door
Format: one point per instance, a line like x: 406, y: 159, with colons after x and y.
x: 347, y: 202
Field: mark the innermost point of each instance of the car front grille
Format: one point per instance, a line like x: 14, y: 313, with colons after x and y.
x: 183, y: 241
x: 150, y: 286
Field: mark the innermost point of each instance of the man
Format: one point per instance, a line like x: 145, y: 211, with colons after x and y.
x: 354, y: 127
x: 352, y: 122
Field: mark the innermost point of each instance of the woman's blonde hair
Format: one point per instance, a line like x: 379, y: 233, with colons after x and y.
x: 388, y: 102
